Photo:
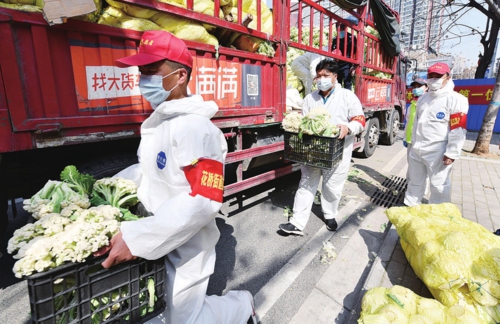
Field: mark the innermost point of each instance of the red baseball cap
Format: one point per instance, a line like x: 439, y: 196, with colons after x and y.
x: 157, y: 45
x: 439, y: 68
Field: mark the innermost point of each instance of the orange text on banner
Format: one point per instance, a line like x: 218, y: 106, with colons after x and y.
x: 205, y: 176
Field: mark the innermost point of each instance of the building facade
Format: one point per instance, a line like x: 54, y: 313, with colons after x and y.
x: 421, y: 23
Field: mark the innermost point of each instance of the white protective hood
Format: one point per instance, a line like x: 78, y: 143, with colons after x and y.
x: 193, y: 104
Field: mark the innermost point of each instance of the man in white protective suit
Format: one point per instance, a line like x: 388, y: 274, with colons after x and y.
x: 438, y: 137
x: 304, y: 67
x: 179, y: 147
x: 347, y: 113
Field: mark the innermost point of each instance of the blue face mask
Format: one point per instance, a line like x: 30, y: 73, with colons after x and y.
x: 342, y: 34
x: 417, y: 92
x: 152, y: 88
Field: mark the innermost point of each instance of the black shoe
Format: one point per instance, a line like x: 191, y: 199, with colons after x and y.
x: 290, y: 229
x: 331, y: 224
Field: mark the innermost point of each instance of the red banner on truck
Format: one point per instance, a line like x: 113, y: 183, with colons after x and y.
x: 101, y: 85
x: 477, y: 94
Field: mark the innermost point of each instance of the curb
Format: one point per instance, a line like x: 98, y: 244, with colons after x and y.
x: 377, y: 269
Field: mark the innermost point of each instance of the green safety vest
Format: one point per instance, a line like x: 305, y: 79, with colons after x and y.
x: 412, y: 110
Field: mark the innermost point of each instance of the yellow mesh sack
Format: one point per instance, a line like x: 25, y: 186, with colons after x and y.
x: 399, y: 305
x: 116, y: 18
x: 458, y: 260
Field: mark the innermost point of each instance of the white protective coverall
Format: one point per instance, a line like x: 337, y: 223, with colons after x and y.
x: 343, y: 105
x: 435, y: 134
x: 304, y: 67
x: 183, y: 227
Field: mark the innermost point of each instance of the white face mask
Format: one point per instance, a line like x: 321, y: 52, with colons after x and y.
x: 324, y: 84
x: 435, y: 84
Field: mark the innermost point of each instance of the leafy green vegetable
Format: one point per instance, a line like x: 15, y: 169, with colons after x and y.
x: 54, y: 196
x: 117, y: 192
x: 81, y: 183
x: 317, y: 122
x: 265, y: 48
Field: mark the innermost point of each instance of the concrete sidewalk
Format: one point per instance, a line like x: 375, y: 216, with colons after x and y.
x: 367, y: 261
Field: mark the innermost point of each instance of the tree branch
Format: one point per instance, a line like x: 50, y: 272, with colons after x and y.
x: 493, y: 7
x: 483, y: 10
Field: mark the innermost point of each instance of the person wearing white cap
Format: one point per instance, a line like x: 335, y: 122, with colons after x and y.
x: 180, y: 182
x: 438, y: 137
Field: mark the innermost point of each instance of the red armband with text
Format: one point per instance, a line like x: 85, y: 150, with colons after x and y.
x: 458, y: 120
x: 360, y: 119
x: 205, y: 176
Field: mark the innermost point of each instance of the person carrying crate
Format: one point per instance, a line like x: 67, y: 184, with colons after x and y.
x: 347, y: 113
x: 180, y: 181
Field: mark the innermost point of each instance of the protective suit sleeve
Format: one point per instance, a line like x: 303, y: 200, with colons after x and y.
x: 315, y: 59
x: 355, y: 114
x: 133, y: 173
x: 174, y: 223
x: 456, y: 136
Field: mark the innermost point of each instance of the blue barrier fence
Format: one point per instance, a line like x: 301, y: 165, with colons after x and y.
x: 476, y: 112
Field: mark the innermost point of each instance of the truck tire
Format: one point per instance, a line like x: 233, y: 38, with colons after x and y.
x: 390, y: 137
x: 371, y: 139
x: 107, y: 166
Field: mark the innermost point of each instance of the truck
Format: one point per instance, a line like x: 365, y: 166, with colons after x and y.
x: 63, y: 101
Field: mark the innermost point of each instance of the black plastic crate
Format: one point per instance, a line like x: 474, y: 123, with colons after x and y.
x: 88, y: 293
x: 317, y: 151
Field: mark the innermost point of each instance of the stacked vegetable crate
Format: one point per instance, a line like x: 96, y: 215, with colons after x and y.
x: 317, y: 151
x: 131, y: 292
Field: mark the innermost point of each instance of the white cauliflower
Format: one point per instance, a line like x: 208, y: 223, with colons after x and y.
x: 99, y: 214
x: 291, y: 122
x: 319, y: 111
x: 116, y: 191
x: 75, y: 243
x: 54, y: 196
x: 21, y: 237
x: 72, y: 211
x: 36, y: 256
x: 67, y: 230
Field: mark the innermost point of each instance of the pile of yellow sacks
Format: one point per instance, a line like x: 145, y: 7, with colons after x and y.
x: 37, y: 6
x: 402, y: 306
x: 458, y: 260
x: 125, y: 15
x: 23, y: 5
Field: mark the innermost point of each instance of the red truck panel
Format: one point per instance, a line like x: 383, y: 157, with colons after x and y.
x: 61, y: 80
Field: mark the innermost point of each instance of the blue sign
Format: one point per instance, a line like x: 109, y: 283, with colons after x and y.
x: 440, y: 115
x: 161, y: 160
